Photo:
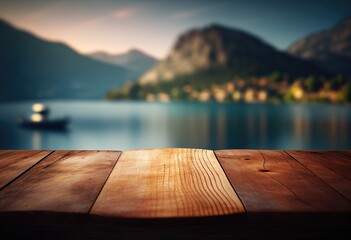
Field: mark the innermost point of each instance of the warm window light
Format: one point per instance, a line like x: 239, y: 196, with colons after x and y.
x: 262, y: 96
x: 36, y: 117
x: 163, y: 97
x: 297, y: 92
x: 204, y: 96
x: 236, y: 96
x: 38, y: 107
x: 249, y: 95
x: 150, y: 97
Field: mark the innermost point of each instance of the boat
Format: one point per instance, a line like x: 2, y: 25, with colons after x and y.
x: 46, y: 124
x: 40, y: 119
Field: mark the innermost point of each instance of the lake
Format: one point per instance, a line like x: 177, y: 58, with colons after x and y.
x: 131, y: 125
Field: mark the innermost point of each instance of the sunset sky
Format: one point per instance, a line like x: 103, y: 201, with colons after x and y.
x: 153, y: 25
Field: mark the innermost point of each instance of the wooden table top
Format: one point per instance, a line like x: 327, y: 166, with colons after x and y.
x: 252, y: 187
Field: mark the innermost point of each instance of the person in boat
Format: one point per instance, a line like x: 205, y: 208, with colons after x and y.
x: 39, y: 119
x: 40, y: 112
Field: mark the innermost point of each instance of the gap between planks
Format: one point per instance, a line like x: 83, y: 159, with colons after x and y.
x: 195, y: 165
x: 15, y: 169
x: 331, y: 167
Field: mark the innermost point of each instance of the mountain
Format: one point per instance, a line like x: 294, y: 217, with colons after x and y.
x: 224, y: 50
x: 134, y: 60
x: 32, y: 68
x: 329, y: 49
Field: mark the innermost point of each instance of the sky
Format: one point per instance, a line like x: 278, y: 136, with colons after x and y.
x: 154, y: 25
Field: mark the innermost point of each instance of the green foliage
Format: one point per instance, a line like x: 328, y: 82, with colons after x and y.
x: 275, y: 76
x: 278, y: 89
x: 311, y: 84
x: 112, y: 94
x: 175, y: 93
x: 288, y: 96
x: 128, y: 91
x: 345, y: 93
x: 337, y: 82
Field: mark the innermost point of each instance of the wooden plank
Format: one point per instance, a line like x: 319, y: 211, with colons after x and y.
x: 7, y: 151
x: 158, y: 183
x: 15, y: 162
x: 66, y: 181
x: 272, y: 181
x: 346, y: 152
x: 332, y: 166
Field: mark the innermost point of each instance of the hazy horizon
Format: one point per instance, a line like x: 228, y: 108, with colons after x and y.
x: 153, y: 26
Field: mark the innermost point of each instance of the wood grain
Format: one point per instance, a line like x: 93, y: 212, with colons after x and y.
x: 158, y: 183
x: 272, y: 181
x: 66, y: 181
x: 333, y: 167
x: 345, y: 152
x: 14, y: 163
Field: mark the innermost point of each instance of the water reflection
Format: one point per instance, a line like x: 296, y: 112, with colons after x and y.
x: 126, y: 125
x: 298, y: 127
x: 36, y: 140
x: 333, y: 130
x: 263, y: 126
x: 250, y: 127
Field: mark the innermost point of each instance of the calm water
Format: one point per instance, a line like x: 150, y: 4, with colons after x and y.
x: 132, y: 125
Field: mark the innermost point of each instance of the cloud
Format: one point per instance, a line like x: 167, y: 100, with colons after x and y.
x: 46, y: 10
x: 124, y: 13
x: 191, y: 12
x: 184, y: 14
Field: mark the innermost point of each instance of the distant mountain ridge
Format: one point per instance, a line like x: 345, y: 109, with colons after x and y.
x: 223, y: 49
x: 32, y: 68
x: 134, y: 60
x: 330, y: 49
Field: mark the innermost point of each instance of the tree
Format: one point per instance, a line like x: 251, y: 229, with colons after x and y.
x: 275, y: 76
x: 337, y: 82
x: 345, y: 93
x: 288, y: 96
x: 311, y: 84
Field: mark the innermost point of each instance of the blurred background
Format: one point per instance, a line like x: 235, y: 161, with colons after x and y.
x: 81, y: 74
